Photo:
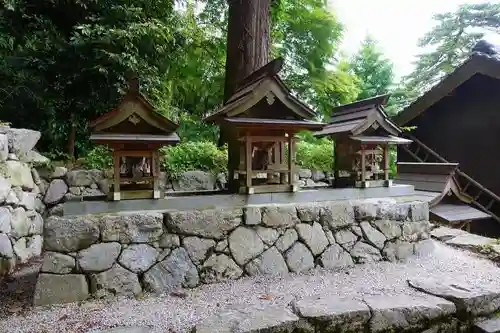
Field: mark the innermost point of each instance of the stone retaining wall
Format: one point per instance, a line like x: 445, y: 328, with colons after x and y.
x: 21, y: 224
x: 98, y: 256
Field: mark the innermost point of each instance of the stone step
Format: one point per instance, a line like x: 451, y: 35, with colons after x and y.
x: 491, y: 325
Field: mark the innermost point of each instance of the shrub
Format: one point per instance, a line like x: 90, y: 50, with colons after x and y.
x: 315, y: 156
x: 98, y: 157
x: 188, y: 156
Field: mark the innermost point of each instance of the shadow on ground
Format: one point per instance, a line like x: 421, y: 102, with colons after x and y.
x: 17, y: 290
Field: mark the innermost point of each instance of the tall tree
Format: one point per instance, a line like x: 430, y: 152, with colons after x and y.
x: 248, y: 37
x: 63, y: 63
x: 374, y: 71
x: 450, y: 42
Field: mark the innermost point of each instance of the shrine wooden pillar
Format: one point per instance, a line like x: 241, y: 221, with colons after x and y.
x: 116, y: 176
x: 386, y: 162
x: 248, y: 163
x: 291, y: 161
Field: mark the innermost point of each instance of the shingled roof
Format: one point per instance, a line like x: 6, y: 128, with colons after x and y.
x: 256, y: 87
x: 355, y: 118
x: 484, y: 59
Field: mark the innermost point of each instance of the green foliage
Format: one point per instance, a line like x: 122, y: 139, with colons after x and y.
x: 98, y: 157
x: 315, y: 156
x: 450, y: 42
x: 373, y: 70
x: 188, y: 156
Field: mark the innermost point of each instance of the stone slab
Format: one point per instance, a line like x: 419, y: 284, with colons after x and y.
x: 472, y: 300
x: 404, y: 312
x: 334, y: 313
x: 491, y: 325
x: 445, y: 233
x: 250, y: 320
x: 63, y: 289
x: 233, y: 200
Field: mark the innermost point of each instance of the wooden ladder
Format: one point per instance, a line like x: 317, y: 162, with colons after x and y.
x: 474, y: 192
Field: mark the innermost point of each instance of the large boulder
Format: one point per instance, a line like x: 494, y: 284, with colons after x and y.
x: 57, y: 263
x: 81, y: 177
x: 270, y: 262
x: 98, y: 257
x: 116, y: 281
x: 299, y: 258
x: 4, y: 188
x: 279, y: 216
x: 195, y: 181
x: 21, y: 140
x: 34, y: 158
x: 138, y: 258
x: 335, y: 257
x: 5, y: 220
x: 20, y: 224
x: 132, y: 228
x: 245, y: 244
x: 218, y: 268
x: 70, y: 234
x: 197, y: 248
x: 174, y: 272
x: 56, y: 191
x: 4, y: 147
x: 313, y: 236
x: 210, y: 223
x: 20, y: 174
x: 53, y: 289
x: 5, y: 247
x: 337, y: 215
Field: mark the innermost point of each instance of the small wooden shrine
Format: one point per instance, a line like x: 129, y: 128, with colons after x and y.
x: 260, y: 121
x: 134, y: 131
x: 362, y: 133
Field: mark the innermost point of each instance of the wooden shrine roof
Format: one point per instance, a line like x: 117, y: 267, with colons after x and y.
x: 481, y: 61
x: 169, y: 138
x: 275, y: 123
x: 447, y: 203
x: 381, y: 139
x: 355, y: 118
x: 263, y: 83
x: 134, y: 108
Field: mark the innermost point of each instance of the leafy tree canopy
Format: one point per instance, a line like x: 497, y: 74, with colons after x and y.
x: 450, y: 41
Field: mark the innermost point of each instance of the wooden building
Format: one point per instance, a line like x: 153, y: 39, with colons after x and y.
x: 458, y: 121
x: 362, y: 134
x: 134, y: 131
x: 436, y: 183
x: 260, y: 121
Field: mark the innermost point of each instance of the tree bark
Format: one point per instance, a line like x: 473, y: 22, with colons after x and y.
x: 248, y: 36
x: 71, y: 139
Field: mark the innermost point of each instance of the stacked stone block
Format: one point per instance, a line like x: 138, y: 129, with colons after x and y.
x: 128, y: 254
x: 21, y: 223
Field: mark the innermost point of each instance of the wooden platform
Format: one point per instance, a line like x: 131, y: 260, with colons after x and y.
x: 210, y: 200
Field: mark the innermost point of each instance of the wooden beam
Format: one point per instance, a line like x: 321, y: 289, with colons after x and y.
x: 386, y: 162
x: 155, y: 173
x: 363, y: 165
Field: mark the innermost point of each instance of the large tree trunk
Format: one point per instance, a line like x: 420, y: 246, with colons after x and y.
x: 248, y: 36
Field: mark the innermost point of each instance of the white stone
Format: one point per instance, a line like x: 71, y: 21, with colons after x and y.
x: 57, y: 263
x: 5, y: 220
x: 20, y: 174
x: 270, y: 262
x: 219, y: 268
x: 245, y: 244
x: 289, y: 237
x: 4, y: 147
x: 197, y: 248
x: 117, y: 281
x: 138, y: 258
x: 98, y: 257
x: 56, y: 191
x: 5, y: 246
x: 372, y: 235
x: 336, y: 257
x: 20, y: 224
x: 313, y: 236
x: 268, y: 235
x: 4, y: 189
x: 299, y: 258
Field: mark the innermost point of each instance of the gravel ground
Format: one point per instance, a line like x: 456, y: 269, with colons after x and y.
x: 179, y: 314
